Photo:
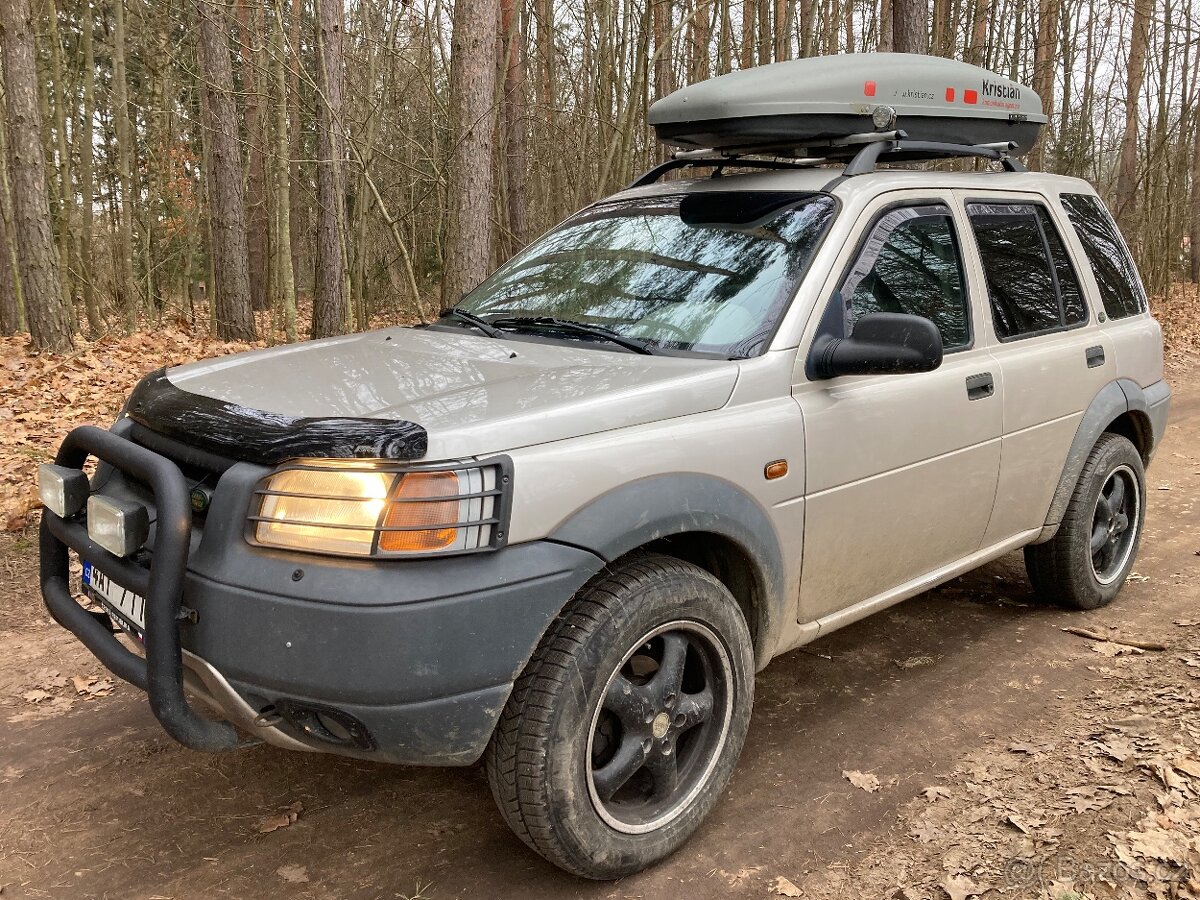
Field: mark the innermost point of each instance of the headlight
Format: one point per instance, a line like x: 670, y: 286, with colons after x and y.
x: 356, y: 509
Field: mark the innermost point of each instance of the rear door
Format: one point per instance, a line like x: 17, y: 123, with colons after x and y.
x: 1042, y: 332
x: 901, y: 468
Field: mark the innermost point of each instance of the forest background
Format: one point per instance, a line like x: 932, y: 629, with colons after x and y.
x: 314, y: 166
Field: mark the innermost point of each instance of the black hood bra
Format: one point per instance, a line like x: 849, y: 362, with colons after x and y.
x: 253, y: 435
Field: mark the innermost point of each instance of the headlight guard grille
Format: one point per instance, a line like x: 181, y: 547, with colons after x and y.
x: 379, y: 509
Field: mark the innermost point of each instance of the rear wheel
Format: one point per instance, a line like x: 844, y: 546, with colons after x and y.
x: 625, y: 726
x: 1085, y: 564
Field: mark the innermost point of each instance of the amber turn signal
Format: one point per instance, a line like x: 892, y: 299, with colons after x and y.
x: 776, y: 469
x: 416, y: 502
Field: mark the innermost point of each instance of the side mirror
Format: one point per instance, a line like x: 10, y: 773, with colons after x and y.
x: 881, y: 344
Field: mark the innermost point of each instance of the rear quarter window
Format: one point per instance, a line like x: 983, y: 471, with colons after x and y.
x: 1117, y: 277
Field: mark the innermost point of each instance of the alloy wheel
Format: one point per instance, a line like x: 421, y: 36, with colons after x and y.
x: 659, y: 727
x: 1114, y: 524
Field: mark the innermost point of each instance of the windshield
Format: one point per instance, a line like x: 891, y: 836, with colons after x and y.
x: 708, y: 272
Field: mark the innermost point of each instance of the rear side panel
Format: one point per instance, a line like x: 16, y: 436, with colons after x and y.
x: 1111, y: 280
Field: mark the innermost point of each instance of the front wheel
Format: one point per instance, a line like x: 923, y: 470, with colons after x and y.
x: 1085, y: 564
x: 627, y: 723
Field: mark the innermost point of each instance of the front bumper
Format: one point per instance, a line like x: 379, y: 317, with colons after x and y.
x: 415, y: 658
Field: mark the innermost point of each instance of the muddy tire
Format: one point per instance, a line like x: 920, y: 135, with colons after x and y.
x: 1085, y: 564
x: 625, y: 727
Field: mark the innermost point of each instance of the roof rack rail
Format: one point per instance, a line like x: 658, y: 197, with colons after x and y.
x: 703, y: 158
x: 863, y: 152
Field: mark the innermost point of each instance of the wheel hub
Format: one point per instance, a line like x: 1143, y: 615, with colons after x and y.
x: 660, y: 725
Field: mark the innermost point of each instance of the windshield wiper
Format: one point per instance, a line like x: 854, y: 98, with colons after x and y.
x: 597, y: 331
x: 456, y: 312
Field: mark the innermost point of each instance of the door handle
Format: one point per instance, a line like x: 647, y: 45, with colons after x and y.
x: 980, y: 386
x: 1095, y: 356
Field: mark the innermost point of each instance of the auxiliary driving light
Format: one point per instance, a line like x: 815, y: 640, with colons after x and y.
x: 119, y: 526
x: 62, y: 490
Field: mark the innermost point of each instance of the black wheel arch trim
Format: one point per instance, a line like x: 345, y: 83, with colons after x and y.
x: 662, y: 506
x: 1123, y: 395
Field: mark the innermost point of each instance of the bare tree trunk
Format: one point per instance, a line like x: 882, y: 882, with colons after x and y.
x: 10, y: 313
x: 515, y: 118
x: 331, y: 309
x: 283, y: 200
x: 943, y: 36
x: 126, y: 289
x: 910, y: 26
x: 766, y: 41
x: 663, y: 63
x: 1195, y: 200
x: 977, y: 47
x: 783, y: 30
x: 66, y: 191
x: 467, y: 251
x: 230, y: 297
x: 702, y: 38
x: 1043, y: 72
x: 1126, y: 205
x: 48, y: 317
x: 295, y: 133
x: 87, y: 187
x: 808, y: 26
x: 7, y: 216
x: 257, y: 227
x: 749, y: 12
x: 886, y: 43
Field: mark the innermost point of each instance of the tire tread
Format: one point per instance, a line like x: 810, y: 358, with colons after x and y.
x: 515, y: 759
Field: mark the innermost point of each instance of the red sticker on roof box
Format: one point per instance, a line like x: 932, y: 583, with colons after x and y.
x: 949, y: 95
x: 869, y: 89
x: 970, y: 96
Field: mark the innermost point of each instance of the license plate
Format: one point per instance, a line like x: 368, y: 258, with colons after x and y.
x: 125, y: 603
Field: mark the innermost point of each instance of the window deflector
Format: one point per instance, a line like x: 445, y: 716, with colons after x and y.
x: 862, y: 270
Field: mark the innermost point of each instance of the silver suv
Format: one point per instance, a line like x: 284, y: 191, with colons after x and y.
x: 697, y: 425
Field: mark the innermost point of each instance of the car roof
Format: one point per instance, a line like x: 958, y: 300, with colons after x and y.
x: 858, y: 187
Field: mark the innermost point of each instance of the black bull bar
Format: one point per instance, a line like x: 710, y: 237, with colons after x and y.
x: 160, y: 673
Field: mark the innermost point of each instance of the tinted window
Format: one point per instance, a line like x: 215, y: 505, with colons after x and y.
x: 1075, y: 310
x: 1116, y: 275
x: 712, y: 275
x: 911, y: 264
x: 1030, y: 282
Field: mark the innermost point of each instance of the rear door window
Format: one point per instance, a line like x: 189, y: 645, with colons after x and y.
x: 911, y: 264
x: 1116, y: 275
x: 1032, y: 287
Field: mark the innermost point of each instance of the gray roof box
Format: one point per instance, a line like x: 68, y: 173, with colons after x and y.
x: 786, y: 106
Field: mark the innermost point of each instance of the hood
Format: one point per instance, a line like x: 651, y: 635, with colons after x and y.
x: 472, y: 394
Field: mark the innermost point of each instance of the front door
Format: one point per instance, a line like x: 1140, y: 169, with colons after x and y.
x: 902, y: 469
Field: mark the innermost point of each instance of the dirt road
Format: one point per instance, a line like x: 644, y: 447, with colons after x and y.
x: 984, y: 723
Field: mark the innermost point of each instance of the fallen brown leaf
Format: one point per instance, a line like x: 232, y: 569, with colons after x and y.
x: 959, y: 887
x: 282, y: 819
x: 785, y: 888
x: 293, y: 874
x: 864, y: 780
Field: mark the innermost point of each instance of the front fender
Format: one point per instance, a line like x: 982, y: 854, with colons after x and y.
x: 633, y: 515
